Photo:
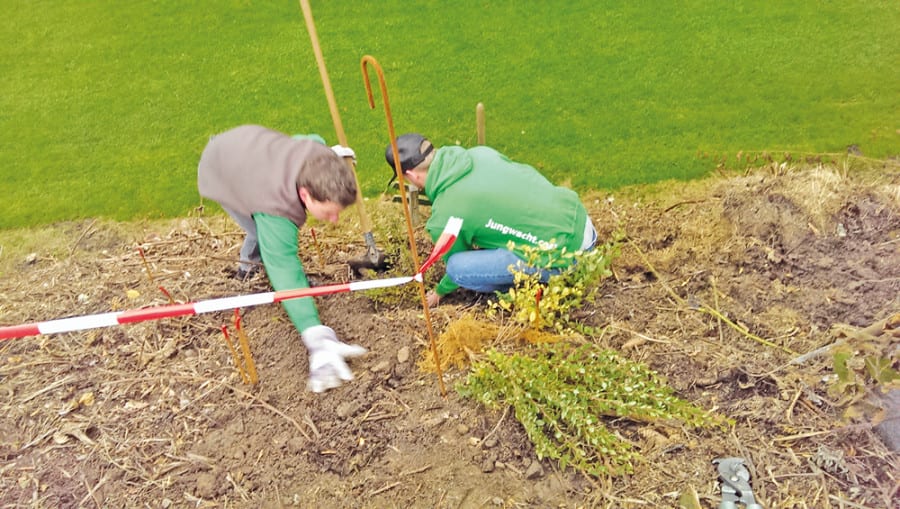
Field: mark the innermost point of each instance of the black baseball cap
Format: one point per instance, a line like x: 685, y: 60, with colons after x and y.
x: 409, y: 146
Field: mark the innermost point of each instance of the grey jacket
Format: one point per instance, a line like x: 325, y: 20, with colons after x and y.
x: 252, y: 169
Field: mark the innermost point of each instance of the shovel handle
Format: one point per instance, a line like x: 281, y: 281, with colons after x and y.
x: 365, y: 223
x: 323, y: 72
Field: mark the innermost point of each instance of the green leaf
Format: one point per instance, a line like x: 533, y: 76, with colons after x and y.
x: 880, y: 370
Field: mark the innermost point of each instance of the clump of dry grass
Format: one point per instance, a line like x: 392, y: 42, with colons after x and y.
x: 463, y: 338
x: 467, y: 337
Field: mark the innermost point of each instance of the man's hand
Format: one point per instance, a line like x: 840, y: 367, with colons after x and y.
x: 343, y: 151
x: 433, y: 299
x: 327, y: 365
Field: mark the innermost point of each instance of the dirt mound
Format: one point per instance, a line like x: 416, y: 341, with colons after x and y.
x: 732, y: 288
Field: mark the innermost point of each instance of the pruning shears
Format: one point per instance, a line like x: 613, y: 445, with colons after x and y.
x: 735, y: 480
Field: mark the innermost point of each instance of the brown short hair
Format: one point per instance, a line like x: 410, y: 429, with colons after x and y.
x: 328, y: 178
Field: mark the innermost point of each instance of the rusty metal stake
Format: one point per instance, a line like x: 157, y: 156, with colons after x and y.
x: 234, y: 356
x: 249, y: 365
x: 370, y: 60
x: 479, y: 123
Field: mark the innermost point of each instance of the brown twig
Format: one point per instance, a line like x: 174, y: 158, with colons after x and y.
x: 852, y: 428
x: 271, y: 409
x: 496, y: 426
x: 91, y: 491
x: 146, y: 265
x: 48, y: 388
x: 685, y: 202
x: 638, y: 334
x: 83, y: 233
x: 712, y: 312
x: 309, y: 422
x: 712, y: 282
x: 415, y: 471
x: 844, y: 502
x: 384, y: 488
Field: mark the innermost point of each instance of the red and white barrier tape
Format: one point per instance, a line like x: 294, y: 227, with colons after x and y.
x: 443, y: 244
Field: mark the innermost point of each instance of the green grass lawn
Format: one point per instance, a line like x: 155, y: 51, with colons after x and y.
x: 107, y: 105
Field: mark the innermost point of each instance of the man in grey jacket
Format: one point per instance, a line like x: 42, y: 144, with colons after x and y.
x: 268, y: 182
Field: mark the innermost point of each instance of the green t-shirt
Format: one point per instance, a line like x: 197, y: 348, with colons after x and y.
x: 278, y: 245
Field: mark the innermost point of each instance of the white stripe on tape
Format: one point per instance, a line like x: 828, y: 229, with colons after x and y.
x: 79, y: 323
x: 234, y: 302
x: 379, y: 283
x: 454, y: 224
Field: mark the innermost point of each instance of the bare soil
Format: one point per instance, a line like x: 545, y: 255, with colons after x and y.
x: 730, y: 287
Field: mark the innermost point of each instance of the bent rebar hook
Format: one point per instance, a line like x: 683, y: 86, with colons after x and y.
x: 368, y: 59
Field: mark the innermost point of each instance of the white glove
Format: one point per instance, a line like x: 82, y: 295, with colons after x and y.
x: 327, y: 365
x: 343, y: 151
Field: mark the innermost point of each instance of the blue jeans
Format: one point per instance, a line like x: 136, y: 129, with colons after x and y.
x: 487, y: 270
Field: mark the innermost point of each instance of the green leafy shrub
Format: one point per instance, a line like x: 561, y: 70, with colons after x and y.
x: 864, y: 370
x: 548, y: 305
x: 563, y: 392
x: 392, y: 238
x: 855, y: 372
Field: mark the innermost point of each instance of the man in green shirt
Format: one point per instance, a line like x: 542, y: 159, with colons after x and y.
x: 269, y: 182
x: 500, y: 201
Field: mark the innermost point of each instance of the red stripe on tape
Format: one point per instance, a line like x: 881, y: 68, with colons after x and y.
x: 18, y: 331
x: 139, y: 315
